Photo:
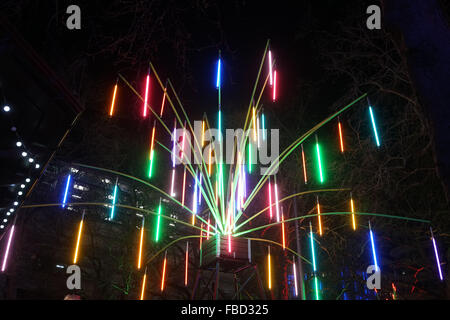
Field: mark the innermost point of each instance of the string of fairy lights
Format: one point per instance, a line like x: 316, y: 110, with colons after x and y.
x: 30, y: 163
x: 217, y: 202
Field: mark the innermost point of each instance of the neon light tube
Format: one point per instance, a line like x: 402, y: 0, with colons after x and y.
x: 150, y: 170
x: 295, y: 276
x: 66, y: 191
x: 200, y: 189
x: 319, y: 161
x: 270, y: 68
x: 143, y: 285
x: 254, y: 124
x: 311, y: 235
x: 163, y: 102
x: 274, y: 85
x: 229, y: 243
x: 249, y: 157
x: 80, y: 230
x: 276, y: 201
x: 353, y: 213
x: 270, y: 200
x: 144, y: 113
x: 219, y: 62
x: 164, y: 272
x: 158, y: 221
x: 341, y: 139
x: 304, y: 166
x: 172, y: 194
x: 194, y: 198
x: 269, y: 270
x: 438, y: 262
x: 111, y: 111
x: 184, y: 187
x: 8, y: 246
x: 113, y: 202
x: 282, y: 229
x: 373, y: 248
x: 141, y: 242
x: 186, y: 265
x: 318, y: 216
x: 263, y: 124
x: 374, y: 126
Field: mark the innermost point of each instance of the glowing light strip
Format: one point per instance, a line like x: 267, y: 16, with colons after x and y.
x: 304, y: 166
x: 438, y: 262
x: 282, y: 229
x: 200, y: 190
x: 66, y: 191
x: 143, y: 285
x: 194, y: 198
x: 209, y: 223
x: 373, y: 248
x: 8, y: 246
x: 374, y: 126
x: 269, y: 273
x: 229, y: 243
x: 353, y: 213
x: 113, y: 201
x: 318, y: 160
x: 163, y: 102
x: 258, y: 134
x: 150, y: 170
x: 263, y: 124
x: 184, y: 187
x: 276, y: 200
x: 254, y: 124
x: 158, y: 221
x: 164, y: 272
x: 172, y: 194
x: 80, y: 229
x: 219, y: 62
x: 317, y: 288
x: 249, y: 157
x: 270, y: 68
x: 186, y: 265
x: 210, y: 161
x: 311, y: 235
x: 144, y: 114
x: 340, y: 137
x: 295, y: 276
x: 270, y: 200
x: 318, y: 216
x: 111, y: 111
x: 141, y: 242
x: 274, y: 85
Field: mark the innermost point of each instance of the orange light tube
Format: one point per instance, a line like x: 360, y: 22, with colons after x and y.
x: 164, y: 272
x: 140, y: 244
x: 80, y: 230
x: 144, y: 279
x: 304, y: 166
x: 111, y: 111
x: 353, y: 212
x: 186, y: 265
x: 318, y: 216
x: 340, y: 136
x: 282, y: 229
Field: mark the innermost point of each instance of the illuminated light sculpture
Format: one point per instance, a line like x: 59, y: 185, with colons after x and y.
x: 263, y: 124
x: 8, y: 247
x: 294, y: 271
x: 144, y: 111
x: 141, y: 243
x: 438, y: 262
x: 319, y: 161
x: 158, y: 222
x: 163, y: 279
x: 269, y: 271
x: 66, y: 190
x: 111, y: 217
x: 80, y: 230
x: 186, y: 264
x: 111, y: 110
x: 144, y: 279
x: 316, y: 284
x: 304, y: 166
x: 318, y: 216
x: 372, y: 241
x: 341, y: 139
x: 352, y: 207
x: 374, y: 126
x: 274, y: 85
